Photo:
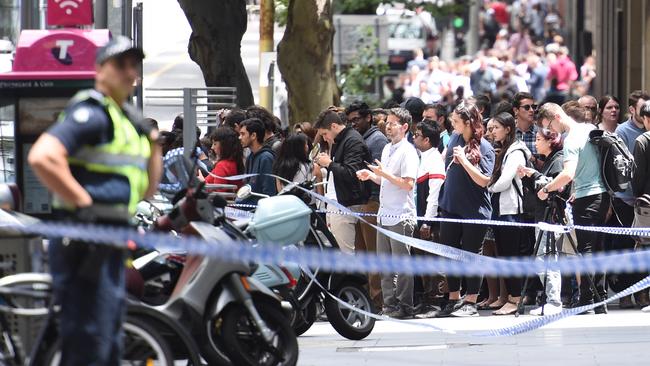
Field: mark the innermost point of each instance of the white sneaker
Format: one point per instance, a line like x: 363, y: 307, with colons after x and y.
x: 549, y: 309
x: 646, y: 309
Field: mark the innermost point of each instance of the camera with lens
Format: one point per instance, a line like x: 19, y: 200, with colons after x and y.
x: 541, y: 182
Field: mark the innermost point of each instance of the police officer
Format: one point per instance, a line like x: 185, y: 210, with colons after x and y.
x: 99, y: 160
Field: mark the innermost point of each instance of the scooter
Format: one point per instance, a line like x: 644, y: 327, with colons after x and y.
x: 236, y: 319
x: 319, y: 289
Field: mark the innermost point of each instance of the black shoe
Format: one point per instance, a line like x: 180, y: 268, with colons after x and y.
x: 467, y: 309
x: 401, y: 312
x: 427, y: 312
x: 452, y: 305
x: 601, y: 309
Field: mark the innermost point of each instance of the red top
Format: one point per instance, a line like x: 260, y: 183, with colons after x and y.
x: 224, y: 168
x: 500, y: 12
x: 564, y: 70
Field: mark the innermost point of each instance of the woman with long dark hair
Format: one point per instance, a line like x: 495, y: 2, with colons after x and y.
x: 292, y: 162
x: 230, y: 157
x: 609, y: 113
x: 469, y: 162
x: 507, y: 201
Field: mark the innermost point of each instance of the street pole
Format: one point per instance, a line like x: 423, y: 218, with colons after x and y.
x: 267, y: 15
x: 101, y: 14
x: 29, y: 14
x: 472, y: 33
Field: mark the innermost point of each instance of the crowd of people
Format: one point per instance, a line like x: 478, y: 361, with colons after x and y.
x: 523, y: 49
x: 502, y: 136
x: 473, y: 159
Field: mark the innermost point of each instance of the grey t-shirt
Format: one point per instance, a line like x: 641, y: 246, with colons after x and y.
x: 577, y: 148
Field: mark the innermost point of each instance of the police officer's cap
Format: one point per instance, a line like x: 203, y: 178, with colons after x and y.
x: 116, y: 47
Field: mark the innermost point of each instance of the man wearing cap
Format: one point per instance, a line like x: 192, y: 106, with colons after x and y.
x: 99, y: 161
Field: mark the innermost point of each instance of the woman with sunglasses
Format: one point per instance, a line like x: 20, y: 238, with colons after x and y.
x: 549, y: 146
x: 469, y: 162
x: 507, y: 202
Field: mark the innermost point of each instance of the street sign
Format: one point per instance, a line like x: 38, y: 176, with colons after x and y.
x: 356, y: 31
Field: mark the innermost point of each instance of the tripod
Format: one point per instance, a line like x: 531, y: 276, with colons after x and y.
x: 553, y: 214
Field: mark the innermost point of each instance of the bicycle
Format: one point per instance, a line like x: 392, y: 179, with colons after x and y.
x: 144, y: 345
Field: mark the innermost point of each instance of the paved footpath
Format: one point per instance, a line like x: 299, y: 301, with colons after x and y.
x: 621, y: 337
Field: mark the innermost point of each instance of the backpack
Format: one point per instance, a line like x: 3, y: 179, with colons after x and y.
x: 616, y: 162
x: 527, y: 193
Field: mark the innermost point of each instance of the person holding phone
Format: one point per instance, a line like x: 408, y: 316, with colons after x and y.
x: 469, y: 161
x: 347, y: 155
x: 396, y: 174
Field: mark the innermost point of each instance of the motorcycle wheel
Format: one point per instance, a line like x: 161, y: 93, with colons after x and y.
x: 245, y: 344
x: 348, y: 323
x: 309, y: 313
x: 143, y: 345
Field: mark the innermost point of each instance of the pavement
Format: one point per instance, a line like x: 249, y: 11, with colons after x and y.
x: 621, y: 337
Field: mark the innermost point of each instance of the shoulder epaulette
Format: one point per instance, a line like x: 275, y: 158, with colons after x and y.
x: 91, y: 95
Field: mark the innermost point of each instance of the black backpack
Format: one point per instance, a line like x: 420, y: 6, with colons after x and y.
x: 616, y: 162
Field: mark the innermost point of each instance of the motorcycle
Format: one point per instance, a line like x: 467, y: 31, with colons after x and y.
x: 236, y: 319
x: 317, y: 288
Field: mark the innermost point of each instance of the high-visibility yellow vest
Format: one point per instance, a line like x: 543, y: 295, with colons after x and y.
x: 126, y: 155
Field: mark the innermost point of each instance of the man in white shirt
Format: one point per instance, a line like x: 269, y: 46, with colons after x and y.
x: 396, y: 174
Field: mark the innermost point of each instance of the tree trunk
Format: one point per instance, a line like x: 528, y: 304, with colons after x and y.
x: 215, y: 43
x: 306, y: 60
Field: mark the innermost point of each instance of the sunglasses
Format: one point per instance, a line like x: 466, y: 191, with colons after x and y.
x: 528, y: 107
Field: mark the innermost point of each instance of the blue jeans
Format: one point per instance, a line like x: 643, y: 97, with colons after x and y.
x: 88, y: 283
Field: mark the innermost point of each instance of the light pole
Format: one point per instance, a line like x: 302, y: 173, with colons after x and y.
x: 267, y: 20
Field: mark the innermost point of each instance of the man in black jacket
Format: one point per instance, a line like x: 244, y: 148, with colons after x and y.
x: 348, y: 153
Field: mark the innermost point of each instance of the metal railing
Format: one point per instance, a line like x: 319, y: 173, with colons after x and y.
x: 201, y: 107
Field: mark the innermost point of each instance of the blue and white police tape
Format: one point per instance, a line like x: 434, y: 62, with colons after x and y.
x: 335, y: 260
x: 547, y: 319
x: 312, y: 277
x: 342, y: 210
x: 544, y: 226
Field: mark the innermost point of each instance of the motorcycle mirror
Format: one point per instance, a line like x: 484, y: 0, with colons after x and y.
x: 244, y: 192
x: 314, y: 152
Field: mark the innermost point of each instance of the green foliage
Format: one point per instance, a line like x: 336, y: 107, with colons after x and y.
x: 357, y: 6
x: 358, y: 78
x: 281, y: 12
